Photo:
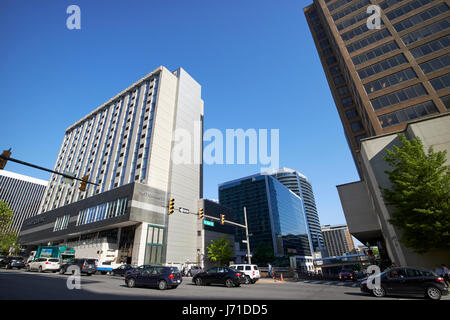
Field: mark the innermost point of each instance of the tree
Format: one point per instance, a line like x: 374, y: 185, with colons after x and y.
x: 220, y: 251
x: 263, y: 254
x: 419, y: 193
x: 7, y: 239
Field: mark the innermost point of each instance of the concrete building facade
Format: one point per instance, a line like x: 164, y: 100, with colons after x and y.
x: 128, y: 143
x: 383, y: 80
x: 366, y: 213
x: 23, y: 194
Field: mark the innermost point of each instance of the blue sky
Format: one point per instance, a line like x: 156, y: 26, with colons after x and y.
x: 255, y: 59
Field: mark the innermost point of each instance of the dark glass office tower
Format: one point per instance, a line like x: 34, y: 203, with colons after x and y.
x: 275, y: 214
x: 383, y: 78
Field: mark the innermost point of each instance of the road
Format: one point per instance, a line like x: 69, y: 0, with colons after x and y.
x: 18, y: 284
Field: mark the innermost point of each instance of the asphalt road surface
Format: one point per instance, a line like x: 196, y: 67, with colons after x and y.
x: 20, y: 284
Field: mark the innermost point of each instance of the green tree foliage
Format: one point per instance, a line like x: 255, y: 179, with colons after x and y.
x: 220, y: 251
x: 7, y: 239
x: 419, y: 193
x: 263, y: 254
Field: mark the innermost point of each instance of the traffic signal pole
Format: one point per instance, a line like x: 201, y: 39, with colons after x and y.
x: 238, y: 225
x: 44, y: 169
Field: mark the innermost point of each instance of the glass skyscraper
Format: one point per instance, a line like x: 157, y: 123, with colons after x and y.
x: 301, y: 186
x: 275, y: 214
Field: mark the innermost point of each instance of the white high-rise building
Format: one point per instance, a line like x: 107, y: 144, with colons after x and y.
x: 23, y: 194
x: 126, y: 147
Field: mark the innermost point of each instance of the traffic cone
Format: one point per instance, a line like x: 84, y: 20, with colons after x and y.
x: 281, y: 277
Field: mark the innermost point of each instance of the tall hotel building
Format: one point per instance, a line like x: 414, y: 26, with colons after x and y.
x: 275, y: 215
x: 125, y: 146
x: 384, y: 81
x: 301, y: 186
x: 23, y: 195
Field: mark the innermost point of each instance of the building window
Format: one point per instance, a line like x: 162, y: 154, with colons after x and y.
x: 351, y: 114
x: 435, y: 64
x: 441, y: 82
x: 446, y: 101
x: 61, y: 223
x: 374, y: 37
x: 108, y: 210
x: 377, y: 52
x: 431, y: 47
x: 420, y: 17
x: 398, y: 96
x: 357, y: 126
x: 425, y: 32
x: 390, y: 80
x: 382, y: 66
x: 410, y: 113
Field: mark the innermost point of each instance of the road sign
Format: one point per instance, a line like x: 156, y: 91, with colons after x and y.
x: 183, y: 210
x: 208, y: 223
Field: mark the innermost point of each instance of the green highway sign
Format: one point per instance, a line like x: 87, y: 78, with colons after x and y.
x: 208, y: 223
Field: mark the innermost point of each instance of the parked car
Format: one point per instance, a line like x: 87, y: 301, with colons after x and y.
x: 191, y: 270
x: 251, y: 272
x: 408, y: 281
x: 138, y: 269
x: 12, y: 262
x: 347, y: 274
x: 154, y: 276
x: 44, y: 264
x: 220, y: 275
x: 122, y: 270
x: 87, y: 266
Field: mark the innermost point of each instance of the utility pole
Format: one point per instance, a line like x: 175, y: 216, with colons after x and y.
x: 246, y: 235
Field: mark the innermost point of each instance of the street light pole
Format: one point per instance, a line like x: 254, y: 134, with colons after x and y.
x: 246, y: 234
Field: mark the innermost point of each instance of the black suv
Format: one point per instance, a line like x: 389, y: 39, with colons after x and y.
x: 12, y: 262
x: 87, y: 266
x: 154, y: 276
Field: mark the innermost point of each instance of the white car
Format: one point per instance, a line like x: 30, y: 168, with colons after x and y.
x: 44, y: 264
x: 251, y: 272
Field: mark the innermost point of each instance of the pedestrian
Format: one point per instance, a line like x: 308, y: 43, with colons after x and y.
x: 439, y: 271
x: 270, y: 270
x: 446, y: 273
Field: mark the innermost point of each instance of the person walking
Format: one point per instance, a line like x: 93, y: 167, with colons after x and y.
x: 446, y: 274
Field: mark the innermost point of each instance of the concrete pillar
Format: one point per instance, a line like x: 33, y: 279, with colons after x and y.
x: 140, y: 243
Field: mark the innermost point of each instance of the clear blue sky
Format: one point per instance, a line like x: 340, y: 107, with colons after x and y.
x: 255, y: 60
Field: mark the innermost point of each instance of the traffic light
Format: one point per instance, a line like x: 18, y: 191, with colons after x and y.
x: 200, y: 213
x: 171, y: 205
x: 83, y: 183
x: 6, y: 154
x: 222, y: 219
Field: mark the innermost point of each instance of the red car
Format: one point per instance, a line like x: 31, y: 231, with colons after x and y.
x: 347, y: 274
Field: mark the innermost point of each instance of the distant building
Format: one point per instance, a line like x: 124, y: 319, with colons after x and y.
x: 338, y: 240
x: 275, y: 214
x: 23, y: 194
x: 300, y: 185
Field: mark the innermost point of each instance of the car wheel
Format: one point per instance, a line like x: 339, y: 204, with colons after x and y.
x: 131, y: 283
x: 229, y: 283
x: 198, y: 281
x: 433, y: 293
x: 61, y: 271
x: 113, y: 274
x: 379, y: 292
x: 174, y: 287
x: 40, y: 269
x: 162, y: 285
x: 248, y: 280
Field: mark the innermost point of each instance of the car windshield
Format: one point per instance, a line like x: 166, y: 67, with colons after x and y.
x: 174, y: 270
x: 346, y: 270
x: 53, y: 260
x: 90, y: 261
